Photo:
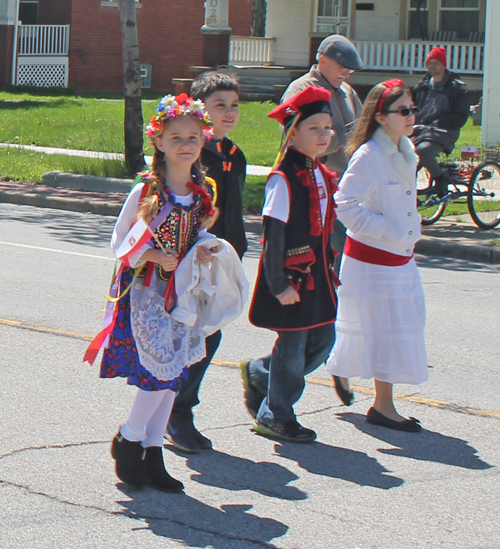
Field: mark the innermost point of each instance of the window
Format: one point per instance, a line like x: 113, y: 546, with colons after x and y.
x: 332, y: 8
x: 418, y: 19
x: 28, y: 12
x: 461, y: 16
x: 332, y: 16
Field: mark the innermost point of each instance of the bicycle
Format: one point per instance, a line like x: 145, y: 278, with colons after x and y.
x: 475, y: 185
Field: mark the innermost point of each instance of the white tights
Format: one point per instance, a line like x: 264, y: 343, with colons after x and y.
x: 149, y: 417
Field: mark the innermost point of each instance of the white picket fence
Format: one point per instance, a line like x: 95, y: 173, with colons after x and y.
x: 251, y: 50
x: 43, y: 40
x: 464, y: 58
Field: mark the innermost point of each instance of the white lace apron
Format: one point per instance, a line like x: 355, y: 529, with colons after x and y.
x: 165, y: 346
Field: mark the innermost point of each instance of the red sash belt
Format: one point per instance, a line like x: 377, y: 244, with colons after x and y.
x: 367, y: 254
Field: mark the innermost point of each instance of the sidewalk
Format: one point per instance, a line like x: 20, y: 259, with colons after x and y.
x: 449, y: 237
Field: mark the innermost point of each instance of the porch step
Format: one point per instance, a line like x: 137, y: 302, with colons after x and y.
x: 262, y: 83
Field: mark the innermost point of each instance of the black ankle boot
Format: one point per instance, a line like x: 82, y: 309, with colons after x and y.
x: 128, y: 456
x: 155, y: 473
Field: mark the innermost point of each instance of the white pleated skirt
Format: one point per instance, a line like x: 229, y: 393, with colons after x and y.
x: 380, y: 324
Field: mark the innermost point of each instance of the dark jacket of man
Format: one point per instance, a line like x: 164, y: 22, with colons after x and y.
x: 444, y: 105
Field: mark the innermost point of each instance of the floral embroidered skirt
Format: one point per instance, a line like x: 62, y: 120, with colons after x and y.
x: 121, y: 358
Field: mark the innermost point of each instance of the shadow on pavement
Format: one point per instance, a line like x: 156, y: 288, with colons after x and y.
x: 424, y: 446
x: 341, y: 463
x: 185, y: 519
x: 235, y: 473
x: 65, y: 225
x: 452, y: 264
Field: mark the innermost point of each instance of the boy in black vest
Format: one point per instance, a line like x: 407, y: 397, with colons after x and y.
x: 226, y: 164
x: 295, y: 289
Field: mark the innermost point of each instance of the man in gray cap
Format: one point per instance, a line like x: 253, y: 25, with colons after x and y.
x: 337, y: 60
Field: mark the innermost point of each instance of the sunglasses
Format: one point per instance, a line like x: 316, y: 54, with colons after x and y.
x: 405, y: 112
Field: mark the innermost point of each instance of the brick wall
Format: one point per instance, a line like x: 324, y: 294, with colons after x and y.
x: 54, y: 12
x: 6, y: 39
x: 240, y: 17
x: 170, y: 41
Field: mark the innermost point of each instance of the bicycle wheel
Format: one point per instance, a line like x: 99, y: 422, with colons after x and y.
x: 483, y: 198
x: 429, y: 207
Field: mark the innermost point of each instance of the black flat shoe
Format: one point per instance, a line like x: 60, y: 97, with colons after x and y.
x: 411, y: 425
x: 347, y: 397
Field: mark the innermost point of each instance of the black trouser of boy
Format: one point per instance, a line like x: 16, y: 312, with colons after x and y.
x: 187, y: 397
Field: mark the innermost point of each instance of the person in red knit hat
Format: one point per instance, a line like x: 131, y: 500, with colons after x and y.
x: 443, y: 102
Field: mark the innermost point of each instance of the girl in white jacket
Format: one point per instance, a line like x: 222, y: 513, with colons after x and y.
x: 381, y: 315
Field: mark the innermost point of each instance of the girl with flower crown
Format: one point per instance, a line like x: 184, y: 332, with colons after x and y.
x: 381, y: 315
x: 144, y: 340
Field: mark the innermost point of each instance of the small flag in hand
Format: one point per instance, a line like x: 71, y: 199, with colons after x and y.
x: 139, y: 235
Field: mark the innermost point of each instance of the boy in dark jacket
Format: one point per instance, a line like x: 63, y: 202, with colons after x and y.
x: 294, y: 293
x: 443, y: 102
x: 226, y: 164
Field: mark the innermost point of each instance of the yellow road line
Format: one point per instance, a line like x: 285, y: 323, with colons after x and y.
x: 24, y: 326
x: 316, y: 381
x: 409, y: 398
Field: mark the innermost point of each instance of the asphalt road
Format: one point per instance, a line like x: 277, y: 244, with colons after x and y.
x: 357, y: 487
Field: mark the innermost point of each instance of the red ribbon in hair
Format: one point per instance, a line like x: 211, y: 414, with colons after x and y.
x: 389, y: 86
x: 205, y: 197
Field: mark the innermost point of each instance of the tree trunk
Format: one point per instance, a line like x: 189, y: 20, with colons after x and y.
x: 133, y: 125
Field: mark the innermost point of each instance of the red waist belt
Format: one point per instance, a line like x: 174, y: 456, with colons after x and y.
x: 367, y: 254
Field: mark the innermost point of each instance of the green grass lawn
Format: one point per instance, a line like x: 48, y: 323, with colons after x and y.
x: 96, y: 124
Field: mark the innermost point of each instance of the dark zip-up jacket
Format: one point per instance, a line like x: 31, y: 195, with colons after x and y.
x: 225, y: 162
x: 446, y: 107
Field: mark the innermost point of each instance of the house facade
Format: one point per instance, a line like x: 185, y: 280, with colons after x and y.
x: 388, y: 33
x: 392, y: 36
x: 78, y: 43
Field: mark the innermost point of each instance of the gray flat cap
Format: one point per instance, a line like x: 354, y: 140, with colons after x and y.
x: 341, y: 49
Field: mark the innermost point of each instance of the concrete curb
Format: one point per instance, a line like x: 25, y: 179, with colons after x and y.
x: 91, y: 183
x: 471, y: 252
x: 86, y: 194
x: 61, y: 203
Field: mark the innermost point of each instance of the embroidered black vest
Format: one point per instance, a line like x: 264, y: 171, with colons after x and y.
x: 308, y: 254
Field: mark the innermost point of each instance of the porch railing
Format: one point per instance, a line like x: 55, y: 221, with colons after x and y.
x: 251, y: 50
x: 43, y: 40
x: 464, y: 58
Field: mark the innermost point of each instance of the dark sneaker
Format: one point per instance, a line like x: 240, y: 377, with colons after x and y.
x: 290, y: 431
x: 253, y: 397
x: 184, y: 436
x: 203, y: 442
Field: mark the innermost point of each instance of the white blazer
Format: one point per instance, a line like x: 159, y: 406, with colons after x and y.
x: 211, y: 295
x: 377, y: 199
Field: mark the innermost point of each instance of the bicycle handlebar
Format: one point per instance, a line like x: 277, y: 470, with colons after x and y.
x: 433, y: 128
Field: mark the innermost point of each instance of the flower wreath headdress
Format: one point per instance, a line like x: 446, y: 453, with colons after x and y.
x: 171, y: 106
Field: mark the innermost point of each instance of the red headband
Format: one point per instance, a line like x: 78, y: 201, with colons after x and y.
x: 389, y: 86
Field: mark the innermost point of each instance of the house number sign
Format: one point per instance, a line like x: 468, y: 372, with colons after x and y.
x: 212, y: 12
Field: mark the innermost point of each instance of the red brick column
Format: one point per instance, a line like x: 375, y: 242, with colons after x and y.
x: 6, y: 43
x: 216, y: 47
